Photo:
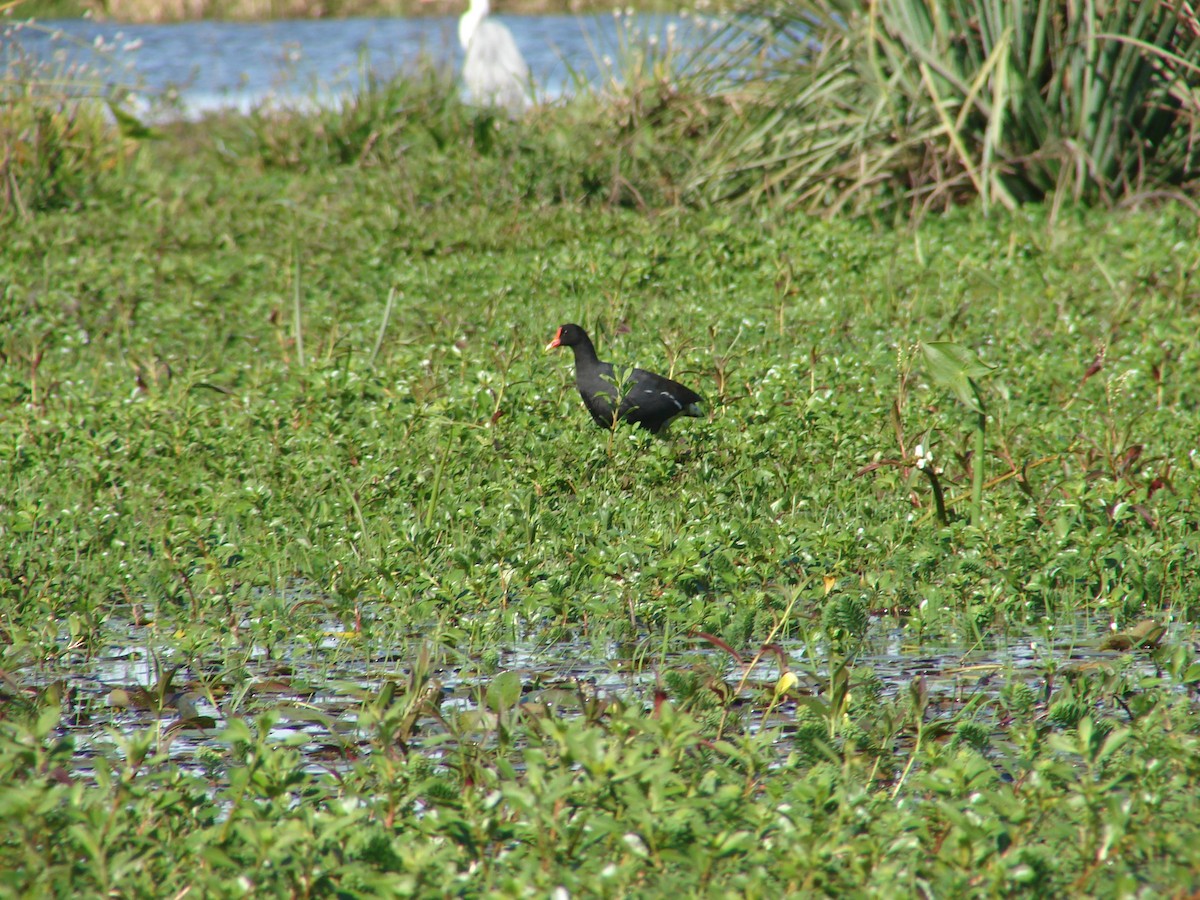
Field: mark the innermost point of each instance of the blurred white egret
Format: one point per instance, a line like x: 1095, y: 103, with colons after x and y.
x: 494, y: 70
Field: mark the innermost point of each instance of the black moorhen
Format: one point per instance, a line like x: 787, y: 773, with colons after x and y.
x: 646, y: 399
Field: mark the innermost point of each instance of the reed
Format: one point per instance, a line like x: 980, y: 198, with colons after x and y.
x: 857, y: 105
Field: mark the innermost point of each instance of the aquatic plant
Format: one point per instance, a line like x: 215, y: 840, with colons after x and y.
x: 917, y: 105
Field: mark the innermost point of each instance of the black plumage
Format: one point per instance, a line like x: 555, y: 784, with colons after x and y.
x: 640, y: 397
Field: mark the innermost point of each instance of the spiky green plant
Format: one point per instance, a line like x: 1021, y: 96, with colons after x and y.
x: 929, y: 103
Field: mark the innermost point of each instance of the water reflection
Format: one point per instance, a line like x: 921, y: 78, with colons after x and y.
x: 318, y: 688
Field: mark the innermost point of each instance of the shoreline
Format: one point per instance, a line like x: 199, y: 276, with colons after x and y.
x: 146, y: 12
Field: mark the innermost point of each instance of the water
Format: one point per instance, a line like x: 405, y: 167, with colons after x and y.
x: 319, y: 685
x: 204, y: 66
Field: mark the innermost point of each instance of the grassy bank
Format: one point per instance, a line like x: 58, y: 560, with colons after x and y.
x: 319, y: 581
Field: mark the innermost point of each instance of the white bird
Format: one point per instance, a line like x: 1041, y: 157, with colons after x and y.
x: 494, y: 70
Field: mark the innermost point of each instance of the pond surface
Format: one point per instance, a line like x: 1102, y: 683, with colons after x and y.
x: 209, y: 65
x: 321, y: 687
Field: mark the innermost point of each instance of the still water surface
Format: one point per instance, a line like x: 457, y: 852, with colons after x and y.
x: 235, y: 64
x: 116, y: 691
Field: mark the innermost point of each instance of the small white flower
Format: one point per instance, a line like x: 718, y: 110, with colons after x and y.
x: 924, y: 457
x: 635, y: 844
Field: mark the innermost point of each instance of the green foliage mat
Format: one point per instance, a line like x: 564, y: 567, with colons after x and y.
x: 263, y: 418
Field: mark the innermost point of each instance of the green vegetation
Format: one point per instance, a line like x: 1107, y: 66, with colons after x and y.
x: 319, y: 580
x: 57, y: 140
x: 921, y: 104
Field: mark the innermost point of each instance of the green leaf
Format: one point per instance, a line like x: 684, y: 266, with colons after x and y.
x: 504, y: 691
x: 954, y: 366
x: 130, y: 125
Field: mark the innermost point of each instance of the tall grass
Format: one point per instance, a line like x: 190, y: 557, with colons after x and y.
x: 62, y: 130
x: 628, y: 139
x: 929, y: 103
x: 654, y: 99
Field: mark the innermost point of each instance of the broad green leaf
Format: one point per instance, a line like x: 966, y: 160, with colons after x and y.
x: 956, y: 367
x: 504, y: 691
